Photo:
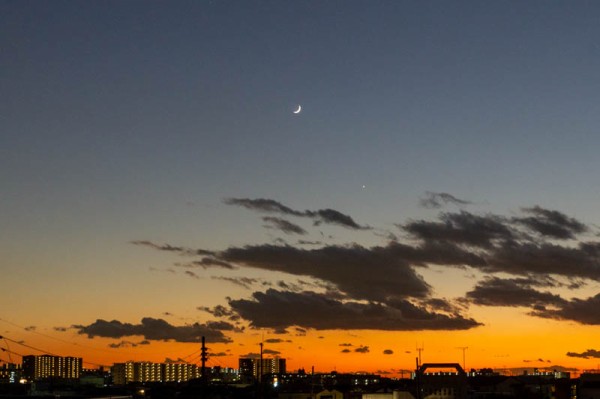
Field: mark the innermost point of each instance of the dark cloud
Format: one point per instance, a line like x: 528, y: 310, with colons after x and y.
x: 289, y: 309
x: 388, y: 352
x: 590, y: 353
x: 217, y: 311
x: 343, y: 266
x: 584, y: 311
x: 329, y: 216
x: 262, y: 205
x: 362, y: 349
x: 274, y: 341
x: 218, y: 354
x: 462, y: 228
x: 551, y: 223
x: 144, y: 342
x: 222, y: 326
x: 171, y: 248
x: 518, y: 245
x: 379, y: 287
x: 345, y: 350
x: 191, y: 274
x: 437, y: 200
x: 30, y: 328
x: 245, y: 282
x: 271, y: 352
x: 546, y: 258
x: 305, y: 242
x: 123, y: 344
x: 207, y: 262
x: 495, y: 291
x: 153, y: 329
x: 346, y: 344
x: 283, y: 225
x: 440, y: 304
x: 60, y: 329
x: 290, y: 286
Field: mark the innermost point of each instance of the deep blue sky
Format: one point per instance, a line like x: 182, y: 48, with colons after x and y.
x: 124, y: 121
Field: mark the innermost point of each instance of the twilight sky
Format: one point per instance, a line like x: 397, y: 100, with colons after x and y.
x: 439, y: 188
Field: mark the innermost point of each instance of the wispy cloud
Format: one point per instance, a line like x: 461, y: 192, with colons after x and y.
x: 433, y: 200
x: 590, y: 353
x: 328, y: 216
x: 283, y: 225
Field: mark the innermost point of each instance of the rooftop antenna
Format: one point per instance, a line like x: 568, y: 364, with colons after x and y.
x: 420, y: 349
x: 464, y: 349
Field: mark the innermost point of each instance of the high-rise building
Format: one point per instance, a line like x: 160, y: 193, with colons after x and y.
x: 49, y: 366
x: 246, y: 368
x: 256, y: 367
x: 179, y: 372
x: 124, y: 373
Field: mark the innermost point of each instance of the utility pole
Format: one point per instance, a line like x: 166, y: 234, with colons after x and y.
x: 464, y: 348
x: 204, y: 358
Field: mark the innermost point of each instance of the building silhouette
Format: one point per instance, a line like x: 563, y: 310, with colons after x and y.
x: 49, y: 366
x: 253, y: 368
x: 124, y: 373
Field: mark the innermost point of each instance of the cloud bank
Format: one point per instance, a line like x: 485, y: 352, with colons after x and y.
x: 158, y: 329
x: 381, y: 287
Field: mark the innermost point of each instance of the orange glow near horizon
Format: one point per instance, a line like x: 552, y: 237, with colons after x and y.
x: 532, y: 343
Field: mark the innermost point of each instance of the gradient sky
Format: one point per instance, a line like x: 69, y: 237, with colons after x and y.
x: 439, y: 188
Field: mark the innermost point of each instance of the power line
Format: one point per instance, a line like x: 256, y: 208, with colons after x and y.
x: 9, y: 352
x: 27, y: 346
x: 55, y: 338
x: 40, y: 350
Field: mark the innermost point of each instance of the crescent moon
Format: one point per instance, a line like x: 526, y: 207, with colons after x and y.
x: 298, y: 110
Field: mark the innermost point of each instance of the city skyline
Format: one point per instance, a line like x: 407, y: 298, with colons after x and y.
x: 352, y: 184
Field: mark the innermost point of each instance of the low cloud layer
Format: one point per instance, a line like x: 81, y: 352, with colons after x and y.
x: 290, y: 309
x: 590, y: 353
x: 157, y: 329
x: 584, y: 311
x: 496, y: 291
x: 381, y: 287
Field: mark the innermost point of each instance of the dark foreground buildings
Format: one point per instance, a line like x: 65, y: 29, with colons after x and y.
x: 56, y: 376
